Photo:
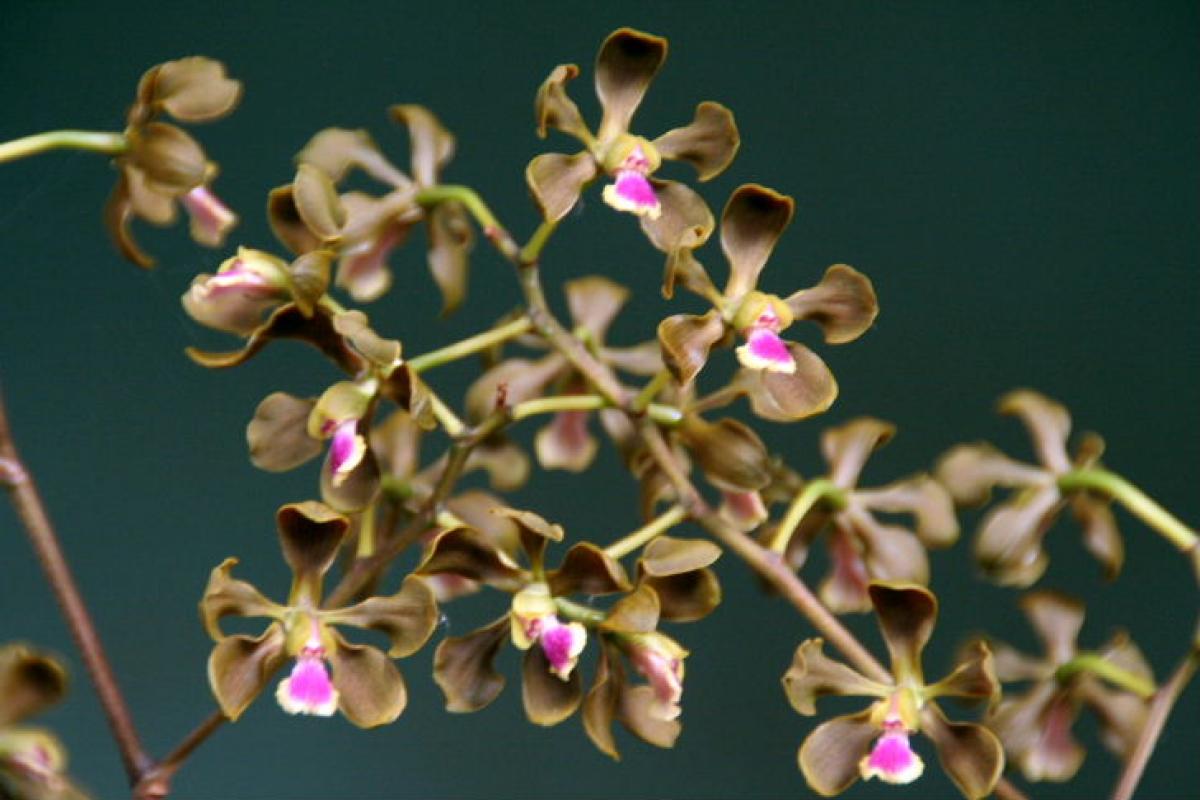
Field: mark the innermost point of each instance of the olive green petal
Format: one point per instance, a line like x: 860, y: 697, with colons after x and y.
x: 240, y: 667
x: 408, y: 618
x: 709, y: 143
x: 625, y: 66
x: 829, y: 756
x: 310, y: 534
x: 600, y: 702
x: 553, y: 108
x: 30, y: 681
x: 751, y: 224
x: 318, y: 204
x: 283, y: 215
x: 309, y: 274
x: 686, y: 341
x: 973, y: 677
x: 906, y: 613
x: 556, y: 181
x: 226, y: 596
x: 970, y: 754
x: 847, y: 447
x: 925, y: 499
x: 173, y: 162
x: 729, y: 452
x: 287, y: 322
x: 510, y: 382
x: 686, y: 220
x: 463, y: 667
x: 843, y: 304
x: 635, y: 709
x: 666, y: 556
x: 781, y: 397
x: 1048, y: 423
x: 637, y: 612
x: 357, y: 330
x: 587, y: 569
x: 466, y: 552
x: 195, y: 89
x: 432, y: 145
x: 814, y: 675
x: 548, y: 699
x: 118, y: 212
x: 371, y: 691
x: 277, y: 436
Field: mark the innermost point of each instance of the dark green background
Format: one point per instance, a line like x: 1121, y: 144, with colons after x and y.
x: 1020, y: 181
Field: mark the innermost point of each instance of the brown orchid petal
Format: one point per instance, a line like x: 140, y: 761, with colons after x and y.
x: 709, y: 143
x: 1057, y: 619
x: 634, y: 613
x: 397, y: 444
x: 781, y: 397
x: 1009, y: 544
x: 356, y: 328
x: 1122, y: 651
x: 843, y: 304
x: 171, y: 159
x: 463, y: 667
x: 547, y: 698
x: 685, y: 222
x: 556, y: 181
x: 891, y: 553
x: 669, y: 556
x: 728, y: 451
x: 969, y: 471
x: 287, y: 322
x: 686, y: 596
x: 1088, y: 450
x: 743, y: 510
x: 600, y: 703
x: 587, y: 569
x: 118, y: 212
x: 193, y: 89
x: 1122, y: 716
x: 406, y: 389
x: 552, y: 108
x: 278, y: 436
x: 686, y: 341
x: 371, y: 691
x: 754, y: 219
x: 352, y: 491
x: 683, y: 268
x: 284, y: 218
x: 1012, y: 665
x: 640, y: 359
x: 847, y: 447
x: 150, y: 204
x: 1100, y: 534
x: 973, y: 677
x: 565, y: 443
x: 30, y: 681
x: 830, y: 754
x: 534, y: 532
x: 504, y: 461
x: 466, y: 552
x: 626, y: 64
x: 310, y: 534
x: 1048, y: 424
x: 923, y: 497
x: 844, y: 589
x: 407, y: 618
x: 510, y: 382
x: 814, y: 675
x: 594, y: 302
x: 906, y: 613
x: 450, y: 241
x: 635, y: 709
x: 432, y: 144
x: 318, y: 204
x: 970, y: 754
x: 335, y: 151
x: 226, y: 596
x: 240, y: 667
x: 1036, y: 731
x: 477, y: 508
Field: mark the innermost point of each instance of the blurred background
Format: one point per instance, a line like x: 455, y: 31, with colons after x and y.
x: 1021, y: 182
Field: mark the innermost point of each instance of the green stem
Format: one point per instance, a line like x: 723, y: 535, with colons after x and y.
x: 492, y: 229
x: 1134, y: 499
x: 650, y: 391
x: 662, y: 414
x: 643, y: 535
x: 1103, y: 668
x: 813, y: 492
x: 577, y: 612
x: 532, y: 251
x: 470, y: 346
x: 108, y: 143
x: 366, y: 533
x: 449, y: 421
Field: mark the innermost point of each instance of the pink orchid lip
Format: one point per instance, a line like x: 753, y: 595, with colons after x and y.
x: 211, y: 219
x: 744, y: 508
x: 364, y: 268
x: 663, y: 674
x: 633, y: 192
x: 892, y: 759
x: 347, y: 449
x: 238, y: 277
x: 561, y: 643
x: 765, y: 350
x: 308, y: 690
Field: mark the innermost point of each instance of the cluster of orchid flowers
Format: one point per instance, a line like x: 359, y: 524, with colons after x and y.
x: 373, y: 477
